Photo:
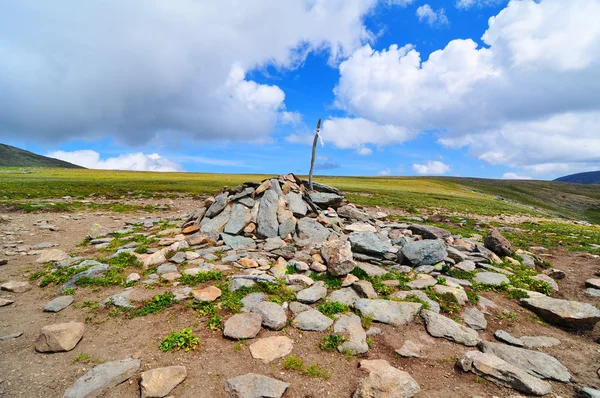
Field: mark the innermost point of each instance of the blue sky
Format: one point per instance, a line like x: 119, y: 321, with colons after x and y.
x: 482, y: 88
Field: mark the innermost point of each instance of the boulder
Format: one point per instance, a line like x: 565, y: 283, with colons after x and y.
x: 500, y: 372
x: 386, y: 311
x: 569, y: 314
x: 429, y: 232
x: 346, y: 295
x: 217, y: 207
x: 240, y: 217
x: 367, y: 243
x: 360, y: 227
x: 15, y: 286
x: 338, y: 257
x: 387, y: 381
x: 273, y: 315
x: 237, y: 242
x: 325, y: 200
x: 160, y: 382
x: 59, y: 337
x: 210, y: 293
x: 535, y: 363
x: 58, y: 304
x: 252, y: 385
x: 508, y: 338
x: 353, y: 214
x: 296, y: 204
x: 491, y: 278
x: 474, y: 318
x: 311, y: 320
x: 439, y: 326
x: 52, y: 255
x: 350, y: 327
x: 310, y: 230
x: 365, y: 289
x: 312, y: 294
x: 271, y: 348
x: 423, y: 252
x: 102, y: 378
x: 497, y: 243
x: 410, y: 349
x: 268, y: 225
x: 243, y: 326
x: 214, y: 226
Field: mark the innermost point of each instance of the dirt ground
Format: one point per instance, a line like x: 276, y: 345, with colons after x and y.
x: 26, y: 373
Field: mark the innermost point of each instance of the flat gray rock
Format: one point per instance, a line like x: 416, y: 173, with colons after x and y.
x: 251, y: 300
x: 58, y: 304
x: 429, y: 232
x: 385, y: 311
x: 535, y: 363
x: 102, y: 378
x: 350, y: 327
x: 404, y: 295
x: 217, y: 207
x: 325, y: 200
x: 592, y: 292
x: 508, y: 338
x: 338, y: 257
x: 253, y: 385
x: 312, y: 320
x: 474, y: 318
x: 345, y: 295
x: 214, y: 226
x: 312, y: 294
x: 268, y: 226
x: 570, y: 314
x: 539, y: 341
x: 466, y: 265
x: 243, y: 326
x: 490, y: 278
x: 387, y: 381
x: 96, y: 270
x: 367, y: 243
x: 500, y: 372
x: 296, y: 204
x: 371, y: 270
x: 240, y: 217
x: 238, y: 242
x: 423, y: 252
x: 439, y: 326
x: 273, y: 315
x: 310, y: 230
x: 587, y: 392
x: 5, y: 302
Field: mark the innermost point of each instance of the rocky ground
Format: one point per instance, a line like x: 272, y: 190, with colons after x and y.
x: 272, y: 291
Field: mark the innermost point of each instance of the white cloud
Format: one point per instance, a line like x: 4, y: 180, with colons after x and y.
x: 130, y: 161
x: 431, y: 167
x: 306, y: 139
x: 385, y: 172
x: 148, y: 68
x: 293, y: 118
x: 515, y: 176
x: 402, y: 3
x: 355, y: 132
x: 526, y: 99
x: 466, y: 4
x: 433, y: 18
x: 364, y: 151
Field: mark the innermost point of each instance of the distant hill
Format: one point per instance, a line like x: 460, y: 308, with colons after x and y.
x: 15, y: 157
x: 590, y: 177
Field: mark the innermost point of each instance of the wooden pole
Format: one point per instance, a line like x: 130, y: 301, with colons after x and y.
x: 312, y: 159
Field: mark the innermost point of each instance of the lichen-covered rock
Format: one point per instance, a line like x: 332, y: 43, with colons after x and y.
x: 497, y: 243
x: 570, y: 314
x: 338, y: 257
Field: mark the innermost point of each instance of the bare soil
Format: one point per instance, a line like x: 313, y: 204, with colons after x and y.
x: 26, y: 373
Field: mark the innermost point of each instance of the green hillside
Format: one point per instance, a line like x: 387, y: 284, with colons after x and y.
x: 15, y: 157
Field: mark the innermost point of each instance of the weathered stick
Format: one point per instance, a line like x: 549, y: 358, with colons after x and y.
x: 312, y: 159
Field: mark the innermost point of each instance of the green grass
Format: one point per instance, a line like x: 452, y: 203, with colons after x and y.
x: 331, y: 308
x: 293, y: 362
x: 201, y: 277
x: 331, y: 342
x: 315, y: 370
x: 157, y: 304
x: 553, y: 234
x: 180, y: 340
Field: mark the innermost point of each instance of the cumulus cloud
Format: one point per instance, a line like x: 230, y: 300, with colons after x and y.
x: 466, y: 4
x: 431, y: 17
x: 528, y: 99
x: 355, y: 132
x: 152, y: 68
x: 364, y: 151
x: 434, y: 167
x: 385, y: 172
x: 515, y: 176
x: 130, y: 161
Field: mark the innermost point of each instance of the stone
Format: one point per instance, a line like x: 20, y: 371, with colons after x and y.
x: 350, y: 212
x: 15, y: 286
x: 325, y: 200
x: 271, y: 348
x: 58, y: 304
x: 367, y: 243
x: 155, y: 259
x: 474, y: 319
x: 410, y: 349
x: 500, y: 372
x: 268, y: 226
x: 456, y: 255
x: 555, y: 273
x: 237, y: 242
x: 310, y: 230
x: 539, y: 341
x: 364, y: 289
x: 98, y: 231
x: 133, y: 277
x: 160, y: 382
x: 59, y: 337
x: 371, y: 270
x: 247, y: 262
x: 386, y: 311
x: 238, y: 283
x: 287, y: 252
x: 467, y: 265
x: 273, y: 315
x: 429, y: 232
x: 217, y: 207
x: 170, y: 276
x: 240, y: 217
x: 210, y: 293
x: 52, y: 255
x: 166, y: 268
x: 527, y: 260
x: 214, y: 226
x: 11, y: 336
x: 439, y: 326
x: 190, y: 230
x: 570, y: 314
x: 294, y: 279
x: 251, y: 300
x: 311, y: 320
x: 424, y: 252
x: 490, y: 278
x: 312, y: 294
x: 102, y: 378
x: 346, y: 295
x: 497, y: 243
x: 350, y: 327
x: 273, y: 243
x: 360, y: 227
x: 243, y: 326
x: 458, y: 292
x: 338, y: 257
x: 422, y: 283
x: 587, y: 392
x: 535, y: 363
x: 592, y: 292
x: 508, y: 338
x: 387, y: 381
x: 301, y: 266
x: 199, y: 239
x: 5, y: 302
x: 548, y: 280
x: 404, y: 295
x: 252, y: 385
x: 297, y: 307
x: 348, y: 280
x: 296, y: 204
x: 593, y: 283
